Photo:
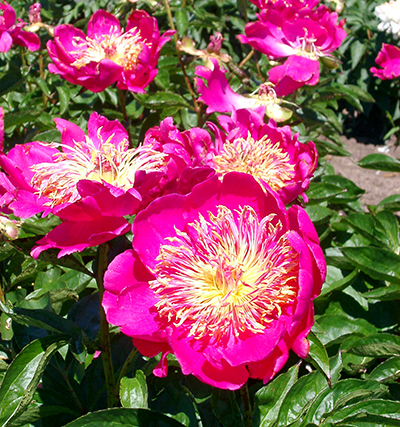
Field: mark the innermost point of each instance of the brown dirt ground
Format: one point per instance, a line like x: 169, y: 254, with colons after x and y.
x: 377, y: 184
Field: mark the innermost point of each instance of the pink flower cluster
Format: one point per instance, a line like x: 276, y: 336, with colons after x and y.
x: 389, y: 59
x: 297, y: 31
x: 221, y: 274
x: 11, y: 31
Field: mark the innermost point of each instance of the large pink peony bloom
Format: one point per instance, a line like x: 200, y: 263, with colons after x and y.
x: 389, y: 59
x: 302, y: 35
x: 12, y: 32
x: 91, y: 184
x: 216, y: 93
x: 107, y: 54
x: 267, y: 152
x: 223, y: 278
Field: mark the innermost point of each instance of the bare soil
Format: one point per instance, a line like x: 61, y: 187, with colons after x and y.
x: 377, y: 184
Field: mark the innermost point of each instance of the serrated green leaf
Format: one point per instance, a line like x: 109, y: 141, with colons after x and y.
x: 382, y: 411
x: 379, y: 345
x: 23, y: 376
x: 379, y: 161
x: 133, y: 391
x: 270, y: 397
x: 122, y: 417
x: 342, y: 393
x: 379, y: 263
x: 387, y: 371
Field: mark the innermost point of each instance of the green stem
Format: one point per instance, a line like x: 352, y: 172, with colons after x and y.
x: 104, y: 331
x: 178, y: 52
x: 248, y: 413
x: 126, y: 365
x: 122, y: 103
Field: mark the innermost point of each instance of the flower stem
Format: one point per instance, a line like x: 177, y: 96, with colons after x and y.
x: 126, y: 365
x: 248, y: 413
x: 172, y: 26
x: 104, y: 331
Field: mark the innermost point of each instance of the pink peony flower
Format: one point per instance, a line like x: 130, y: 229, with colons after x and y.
x: 107, y: 54
x: 302, y: 35
x: 1, y: 129
x: 269, y: 153
x: 389, y: 59
x: 12, y: 32
x: 298, y: 4
x: 91, y: 184
x: 223, y: 278
x: 216, y: 93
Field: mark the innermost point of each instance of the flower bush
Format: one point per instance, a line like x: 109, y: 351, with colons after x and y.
x: 176, y: 247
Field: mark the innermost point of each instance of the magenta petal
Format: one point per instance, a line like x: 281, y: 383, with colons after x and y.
x: 70, y: 132
x: 100, y: 130
x: 103, y: 23
x: 154, y: 224
x: 6, y: 41
x: 389, y: 59
x: 193, y: 362
x: 69, y: 237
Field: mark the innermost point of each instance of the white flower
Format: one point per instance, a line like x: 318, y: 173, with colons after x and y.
x: 389, y: 15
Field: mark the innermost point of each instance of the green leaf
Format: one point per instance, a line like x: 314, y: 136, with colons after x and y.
x: 389, y: 226
x: 43, y: 86
x: 43, y: 319
x: 391, y: 203
x: 11, y: 81
x: 332, y: 329
x: 365, y: 225
x: 386, y: 293
x: 161, y: 100
x: 341, y: 283
x: 182, y: 21
x: 379, y: 345
x: 299, y: 397
x: 225, y: 408
x: 380, y: 264
x: 376, y: 411
x: 21, y: 117
x: 23, y: 376
x: 320, y: 191
x: 387, y: 371
x: 318, y: 356
x: 343, y: 393
x: 270, y: 397
x: 318, y: 214
x: 52, y: 135
x: 351, y: 192
x: 133, y: 391
x: 381, y: 162
x: 123, y: 417
x: 64, y: 96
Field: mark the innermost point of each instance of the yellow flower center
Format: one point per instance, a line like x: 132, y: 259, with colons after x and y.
x: 260, y: 158
x: 122, y: 49
x: 227, y: 275
x: 108, y: 163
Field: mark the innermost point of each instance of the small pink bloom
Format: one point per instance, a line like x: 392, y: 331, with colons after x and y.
x: 12, y: 32
x: 216, y: 93
x: 34, y: 13
x: 223, y: 278
x: 389, y: 59
x: 269, y: 153
x: 107, y: 54
x: 91, y: 184
x: 303, y: 35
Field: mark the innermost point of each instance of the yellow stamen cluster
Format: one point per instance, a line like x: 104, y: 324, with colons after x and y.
x: 113, y: 164
x: 227, y: 276
x: 123, y: 49
x: 260, y: 158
